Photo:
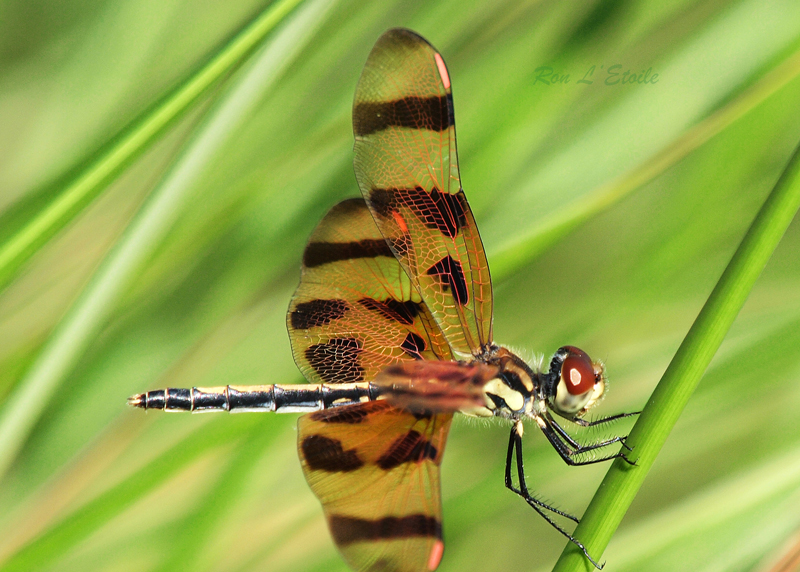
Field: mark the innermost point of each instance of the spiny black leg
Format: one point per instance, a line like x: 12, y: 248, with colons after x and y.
x: 578, y: 448
x: 515, y: 442
x: 602, y: 420
x: 584, y: 423
x: 566, y: 453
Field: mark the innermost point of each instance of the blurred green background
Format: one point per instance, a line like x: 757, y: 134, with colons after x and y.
x: 607, y: 211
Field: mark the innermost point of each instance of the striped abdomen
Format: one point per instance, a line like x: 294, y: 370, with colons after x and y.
x: 278, y: 398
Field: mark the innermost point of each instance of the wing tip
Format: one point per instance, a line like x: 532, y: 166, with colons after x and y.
x: 435, y: 557
x: 405, y: 37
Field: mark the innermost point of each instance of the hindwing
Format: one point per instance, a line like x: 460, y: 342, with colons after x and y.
x: 375, y: 470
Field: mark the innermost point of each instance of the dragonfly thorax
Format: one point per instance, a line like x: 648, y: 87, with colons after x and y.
x: 513, y: 392
x: 571, y: 386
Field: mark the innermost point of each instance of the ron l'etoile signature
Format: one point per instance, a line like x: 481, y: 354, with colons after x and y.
x: 612, y: 75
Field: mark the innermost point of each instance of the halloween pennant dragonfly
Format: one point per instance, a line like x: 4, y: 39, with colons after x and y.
x: 392, y: 326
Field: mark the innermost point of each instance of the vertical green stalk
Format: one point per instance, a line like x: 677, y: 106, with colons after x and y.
x: 622, y: 481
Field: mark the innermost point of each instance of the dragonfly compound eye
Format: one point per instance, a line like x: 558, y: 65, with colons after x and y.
x: 580, y: 385
x: 577, y: 373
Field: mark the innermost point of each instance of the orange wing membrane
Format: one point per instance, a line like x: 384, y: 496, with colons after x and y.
x: 407, y: 168
x: 375, y: 470
x: 356, y: 311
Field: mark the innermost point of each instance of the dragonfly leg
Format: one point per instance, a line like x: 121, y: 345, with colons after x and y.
x: 609, y: 419
x: 577, y: 447
x: 515, y: 446
x: 601, y: 420
x: 568, y: 448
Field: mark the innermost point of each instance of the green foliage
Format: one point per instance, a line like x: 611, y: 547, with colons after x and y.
x: 608, y: 214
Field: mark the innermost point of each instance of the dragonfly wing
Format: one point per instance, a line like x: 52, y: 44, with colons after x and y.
x: 375, y: 468
x: 407, y: 168
x: 355, y: 310
x: 399, y: 279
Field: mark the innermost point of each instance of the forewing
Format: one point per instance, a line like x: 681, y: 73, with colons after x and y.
x: 355, y: 310
x: 407, y: 168
x: 375, y: 469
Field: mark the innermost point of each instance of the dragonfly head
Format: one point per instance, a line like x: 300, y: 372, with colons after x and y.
x: 574, y: 383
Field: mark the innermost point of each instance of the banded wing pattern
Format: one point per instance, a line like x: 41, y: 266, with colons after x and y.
x: 407, y: 168
x: 355, y: 311
x: 374, y: 468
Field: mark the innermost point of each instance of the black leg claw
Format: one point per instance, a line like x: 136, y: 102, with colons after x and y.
x: 586, y: 553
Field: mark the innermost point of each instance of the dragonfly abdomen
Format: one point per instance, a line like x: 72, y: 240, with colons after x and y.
x: 275, y: 398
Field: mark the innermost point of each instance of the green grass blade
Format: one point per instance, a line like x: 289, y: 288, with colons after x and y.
x: 679, y: 381
x: 132, y: 142
x: 79, y: 327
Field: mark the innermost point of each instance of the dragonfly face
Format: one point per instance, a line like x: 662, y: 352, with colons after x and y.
x: 571, y: 386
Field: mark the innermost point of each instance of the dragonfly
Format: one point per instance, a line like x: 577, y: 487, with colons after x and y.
x: 391, y: 325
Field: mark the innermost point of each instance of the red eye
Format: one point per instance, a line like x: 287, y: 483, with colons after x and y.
x: 577, y: 372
